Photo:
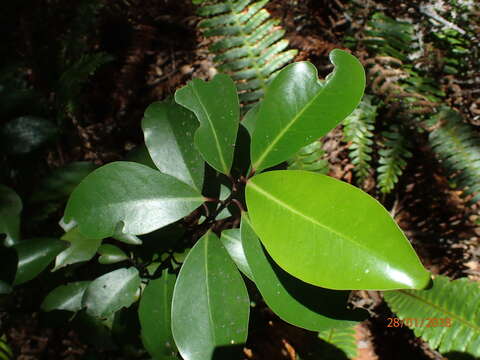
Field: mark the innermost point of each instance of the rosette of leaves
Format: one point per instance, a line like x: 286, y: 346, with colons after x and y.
x: 305, y: 239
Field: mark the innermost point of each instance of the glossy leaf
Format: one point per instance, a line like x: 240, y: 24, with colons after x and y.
x: 34, y: 256
x: 169, y: 131
x: 139, y: 198
x: 10, y: 209
x: 298, y: 108
x: 232, y: 242
x: 298, y: 303
x: 307, y: 220
x: 141, y: 155
x: 210, y: 305
x: 215, y: 103
x: 26, y: 134
x: 81, y: 248
x: 155, y: 317
x: 111, y: 292
x: 110, y: 254
x: 66, y: 297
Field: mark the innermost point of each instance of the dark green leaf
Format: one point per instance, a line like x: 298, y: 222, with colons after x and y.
x: 81, y: 248
x: 169, y: 131
x: 210, y: 305
x: 5, y: 288
x: 216, y: 106
x: 141, y: 155
x: 298, y: 303
x: 155, y: 317
x: 111, y: 292
x: 305, y: 220
x: 298, y: 108
x: 110, y: 254
x: 34, y: 256
x: 232, y: 241
x: 133, y: 195
x: 66, y: 297
x: 10, y: 209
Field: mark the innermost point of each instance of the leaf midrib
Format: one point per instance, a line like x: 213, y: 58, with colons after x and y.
x: 207, y: 288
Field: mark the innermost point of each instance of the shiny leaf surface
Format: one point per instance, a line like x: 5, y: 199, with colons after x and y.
x: 139, y: 198
x: 298, y: 108
x: 81, y: 248
x: 210, y: 307
x: 111, y: 292
x: 65, y: 297
x: 34, y: 256
x: 307, y: 220
x: 232, y: 242
x: 298, y: 303
x: 169, y: 135
x: 110, y: 254
x: 215, y: 103
x: 155, y: 317
x: 10, y: 209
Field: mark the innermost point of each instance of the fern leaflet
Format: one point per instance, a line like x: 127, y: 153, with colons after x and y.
x: 456, y: 302
x: 343, y: 339
x: 310, y: 158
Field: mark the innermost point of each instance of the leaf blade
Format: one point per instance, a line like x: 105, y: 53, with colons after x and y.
x: 65, y: 297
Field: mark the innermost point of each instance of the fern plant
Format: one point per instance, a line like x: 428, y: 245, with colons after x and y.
x: 446, y: 316
x: 5, y: 350
x: 249, y: 44
x: 311, y: 158
x: 342, y: 338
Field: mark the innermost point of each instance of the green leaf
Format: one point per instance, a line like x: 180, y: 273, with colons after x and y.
x: 111, y: 292
x: 169, y: 135
x: 34, y: 256
x: 305, y: 220
x: 298, y: 303
x: 343, y: 339
x: 139, y: 198
x: 298, y: 108
x: 210, y: 305
x: 141, y: 155
x: 155, y: 317
x: 232, y: 242
x: 25, y: 134
x: 216, y: 106
x: 10, y: 209
x: 110, y: 254
x: 5, y: 288
x: 446, y: 315
x: 66, y: 297
x: 81, y: 248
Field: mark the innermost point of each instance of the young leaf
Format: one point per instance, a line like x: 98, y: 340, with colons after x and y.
x: 81, y: 249
x: 216, y: 106
x: 111, y: 292
x: 305, y: 220
x: 10, y: 209
x: 298, y: 109
x: 210, y: 305
x: 34, y: 256
x: 294, y: 301
x: 141, y: 198
x: 232, y: 242
x: 169, y: 130
x: 154, y: 313
x: 110, y: 254
x: 446, y: 316
x: 65, y: 297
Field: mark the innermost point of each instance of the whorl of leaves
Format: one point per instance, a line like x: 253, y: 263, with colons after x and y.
x: 249, y: 44
x: 423, y: 311
x: 358, y: 131
x: 457, y: 145
x: 392, y: 158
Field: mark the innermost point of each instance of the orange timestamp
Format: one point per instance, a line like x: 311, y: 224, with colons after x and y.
x: 432, y: 322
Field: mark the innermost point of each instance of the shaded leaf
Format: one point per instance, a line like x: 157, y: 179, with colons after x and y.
x: 298, y: 108
x: 155, y: 317
x: 342, y: 338
x: 141, y: 155
x: 81, y: 248
x: 169, y: 131
x: 65, y: 297
x: 111, y: 292
x: 10, y: 209
x: 306, y: 219
x: 140, y: 198
x: 110, y: 254
x: 209, y: 295
x: 216, y: 106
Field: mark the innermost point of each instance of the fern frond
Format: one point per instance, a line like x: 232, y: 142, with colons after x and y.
x: 392, y: 158
x: 457, y: 145
x: 250, y: 45
x: 5, y: 350
x: 358, y: 131
x: 343, y: 339
x: 424, y: 310
x: 310, y: 158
